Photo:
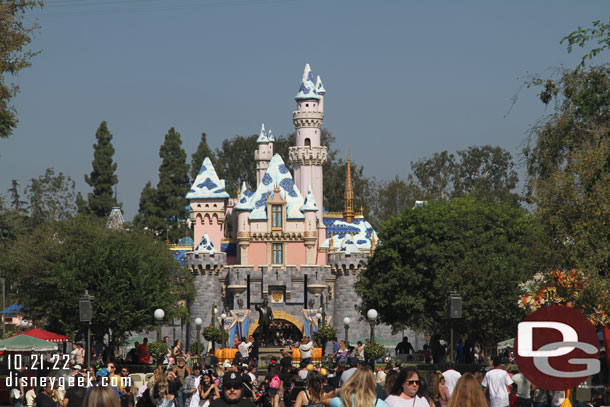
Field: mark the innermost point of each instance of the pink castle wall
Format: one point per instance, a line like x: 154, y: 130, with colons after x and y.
x: 211, y: 227
x: 257, y: 254
x: 295, y: 253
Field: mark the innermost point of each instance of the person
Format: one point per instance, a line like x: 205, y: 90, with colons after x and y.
x: 495, y: 382
x: 190, y: 387
x: 358, y: 391
x: 404, y: 347
x: 207, y: 390
x: 360, y: 351
x: 381, y: 374
x: 286, y: 360
x: 404, y: 391
x: 265, y: 318
x: 178, y: 349
x: 30, y: 397
x: 439, y: 391
x: 127, y: 389
x: 390, y: 379
x: 306, y: 348
x: 75, y: 395
x: 80, y: 354
x: 165, y: 399
x: 275, y: 386
x: 342, y: 353
x: 467, y: 393
x: 451, y: 377
x: 313, y: 393
x: 44, y: 399
x: 101, y: 396
x: 143, y: 355
x: 181, y: 371
x: 244, y: 348
x: 232, y: 389
x: 253, y: 350
x: 524, y: 398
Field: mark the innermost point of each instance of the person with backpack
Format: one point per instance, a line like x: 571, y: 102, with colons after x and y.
x: 275, y: 385
x: 313, y: 395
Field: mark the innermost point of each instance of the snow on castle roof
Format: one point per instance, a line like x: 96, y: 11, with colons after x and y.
x: 277, y: 174
x: 207, y: 184
x: 307, y: 90
x: 205, y: 245
x: 310, y: 202
x: 243, y: 201
x: 348, y: 237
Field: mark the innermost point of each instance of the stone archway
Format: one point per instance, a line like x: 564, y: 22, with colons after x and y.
x: 280, y: 315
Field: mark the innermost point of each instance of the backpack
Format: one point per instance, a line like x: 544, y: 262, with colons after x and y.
x: 275, y: 382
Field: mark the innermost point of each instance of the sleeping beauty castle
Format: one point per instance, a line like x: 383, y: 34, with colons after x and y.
x: 282, y: 246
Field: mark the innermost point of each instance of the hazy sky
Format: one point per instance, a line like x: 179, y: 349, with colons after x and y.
x: 405, y: 79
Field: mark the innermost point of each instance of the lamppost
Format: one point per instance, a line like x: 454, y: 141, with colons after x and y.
x: 214, y: 312
x: 198, y: 322
x: 86, y: 313
x: 159, y: 315
x: 454, y: 308
x: 222, y: 328
x: 346, y: 322
x: 372, y: 316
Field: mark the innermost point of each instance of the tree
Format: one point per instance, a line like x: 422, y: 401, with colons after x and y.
x: 203, y: 151
x: 146, y: 211
x: 568, y: 167
x: 172, y: 188
x: 599, y: 32
x: 392, y: 198
x: 434, y: 175
x: 235, y: 162
x: 15, y: 36
x: 130, y: 274
x: 334, y: 186
x: 480, y: 249
x: 103, y: 176
x: 17, y: 204
x: 51, y: 197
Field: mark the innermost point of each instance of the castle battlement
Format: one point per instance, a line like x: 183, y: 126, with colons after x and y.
x: 307, y: 119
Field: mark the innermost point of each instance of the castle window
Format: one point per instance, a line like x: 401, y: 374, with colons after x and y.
x: 307, y: 142
x: 276, y: 216
x: 277, y: 253
x: 306, y: 104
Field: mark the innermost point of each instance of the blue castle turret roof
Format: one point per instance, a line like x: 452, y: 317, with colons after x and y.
x: 307, y: 90
x: 207, y: 184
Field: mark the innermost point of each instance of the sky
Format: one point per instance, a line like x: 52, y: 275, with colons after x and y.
x: 404, y: 79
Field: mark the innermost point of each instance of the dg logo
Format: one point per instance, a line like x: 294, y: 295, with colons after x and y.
x: 556, y: 348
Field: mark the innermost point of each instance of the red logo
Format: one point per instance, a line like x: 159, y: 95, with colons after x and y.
x: 556, y: 348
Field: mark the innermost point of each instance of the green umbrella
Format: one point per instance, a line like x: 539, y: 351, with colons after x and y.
x: 506, y: 344
x: 378, y: 339
x: 26, y: 343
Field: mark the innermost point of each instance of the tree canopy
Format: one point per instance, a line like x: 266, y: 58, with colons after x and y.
x: 103, y: 175
x: 130, y: 275
x: 51, y: 197
x: 15, y: 36
x: 478, y: 248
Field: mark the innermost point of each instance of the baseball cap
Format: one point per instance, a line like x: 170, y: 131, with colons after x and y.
x: 77, y: 367
x: 227, y: 364
x: 231, y: 379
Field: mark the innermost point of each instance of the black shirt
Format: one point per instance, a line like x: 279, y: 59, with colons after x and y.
x: 75, y: 396
x: 43, y: 400
x: 221, y: 402
x: 286, y: 363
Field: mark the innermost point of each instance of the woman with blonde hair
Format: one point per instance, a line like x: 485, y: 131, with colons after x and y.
x: 359, y: 391
x: 101, y: 396
x: 467, y: 393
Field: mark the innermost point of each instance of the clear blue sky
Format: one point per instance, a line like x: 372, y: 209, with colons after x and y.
x: 405, y: 79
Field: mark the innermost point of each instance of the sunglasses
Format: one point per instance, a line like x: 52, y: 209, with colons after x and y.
x: 412, y: 382
x: 233, y: 387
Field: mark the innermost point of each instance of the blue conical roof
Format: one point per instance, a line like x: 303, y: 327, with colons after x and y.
x: 310, y: 202
x: 207, y: 184
x: 320, y: 86
x: 307, y: 90
x: 262, y: 136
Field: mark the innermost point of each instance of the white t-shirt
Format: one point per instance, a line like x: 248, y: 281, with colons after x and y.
x: 306, y: 350
x: 243, y: 348
x: 496, y: 381
x: 523, y: 386
x: 451, y: 378
x: 397, y: 401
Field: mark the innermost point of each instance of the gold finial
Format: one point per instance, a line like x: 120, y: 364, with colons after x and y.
x: 276, y: 188
x: 348, y: 212
x: 238, y: 190
x: 373, y: 242
x: 331, y: 245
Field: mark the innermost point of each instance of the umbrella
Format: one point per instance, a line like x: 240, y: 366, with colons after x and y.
x: 378, y: 339
x: 506, y: 344
x: 25, y: 343
x: 46, y: 335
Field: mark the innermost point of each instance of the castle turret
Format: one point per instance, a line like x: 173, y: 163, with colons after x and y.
x: 263, y: 154
x: 310, y: 208
x: 208, y: 201
x: 320, y: 91
x: 308, y: 155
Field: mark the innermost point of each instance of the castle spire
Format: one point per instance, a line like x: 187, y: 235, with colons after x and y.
x: 348, y: 212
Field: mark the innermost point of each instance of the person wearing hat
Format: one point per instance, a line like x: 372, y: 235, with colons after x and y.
x: 232, y: 392
x: 190, y: 386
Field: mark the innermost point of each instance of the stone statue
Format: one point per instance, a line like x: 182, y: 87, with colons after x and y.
x: 265, y: 318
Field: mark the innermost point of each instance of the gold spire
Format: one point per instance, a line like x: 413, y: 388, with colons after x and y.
x: 331, y: 245
x: 348, y: 212
x: 238, y: 190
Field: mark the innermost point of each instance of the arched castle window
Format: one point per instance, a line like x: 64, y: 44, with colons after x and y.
x: 307, y: 142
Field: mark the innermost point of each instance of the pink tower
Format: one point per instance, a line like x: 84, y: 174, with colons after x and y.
x: 308, y: 155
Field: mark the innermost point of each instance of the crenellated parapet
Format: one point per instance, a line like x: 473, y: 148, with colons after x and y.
x: 205, y: 263
x: 347, y: 263
x: 308, y: 155
x: 307, y: 119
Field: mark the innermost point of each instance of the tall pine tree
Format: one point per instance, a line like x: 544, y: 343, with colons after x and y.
x: 198, y: 156
x: 103, y: 176
x: 172, y: 188
x: 17, y: 204
x: 146, y: 217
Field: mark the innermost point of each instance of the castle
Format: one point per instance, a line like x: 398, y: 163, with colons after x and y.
x: 282, y: 247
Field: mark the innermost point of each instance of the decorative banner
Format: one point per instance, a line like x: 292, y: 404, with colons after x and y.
x: 243, y: 323
x: 310, y: 321
x: 229, y: 323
